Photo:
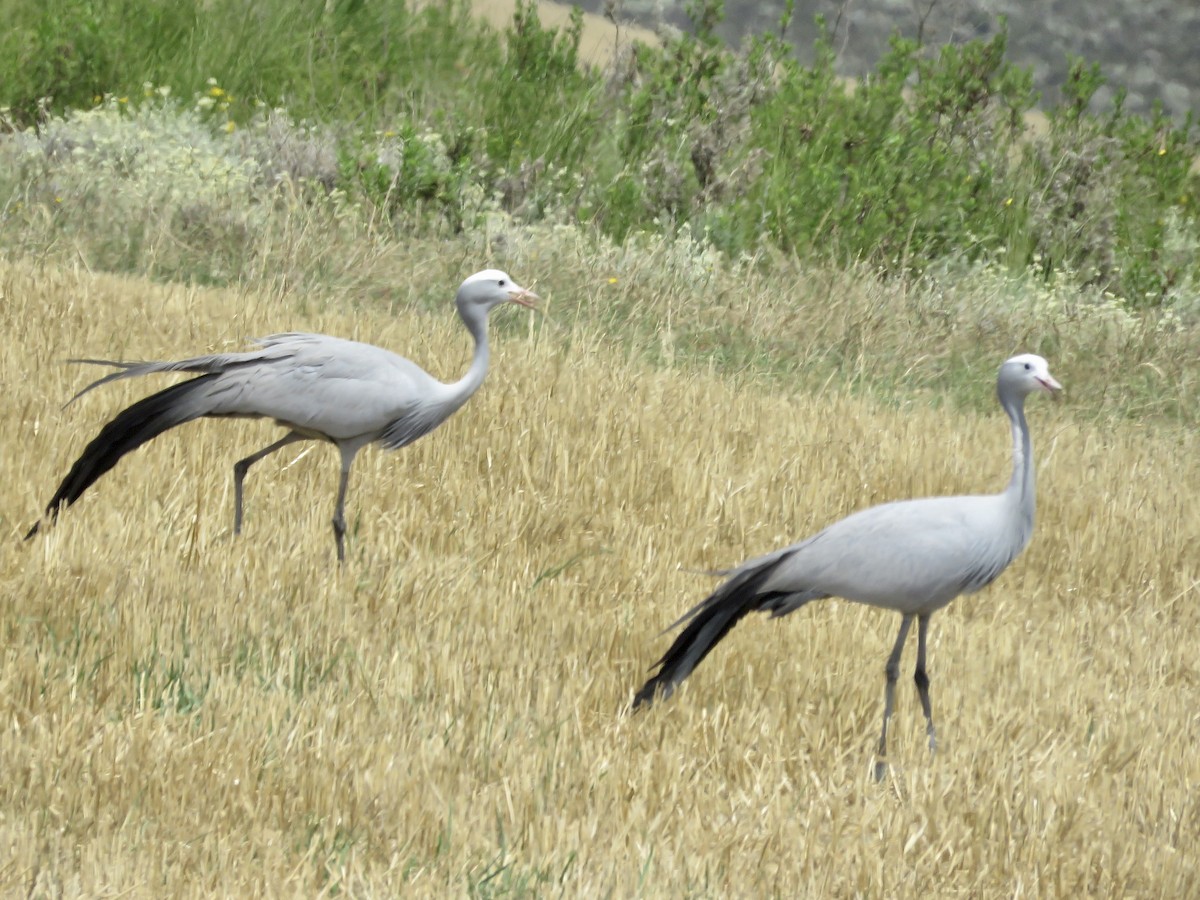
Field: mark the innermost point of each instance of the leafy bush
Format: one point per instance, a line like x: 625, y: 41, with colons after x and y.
x: 349, y: 59
x: 681, y: 121
x: 407, y: 170
x: 64, y: 54
x: 1112, y: 196
x: 931, y: 157
x: 894, y: 174
x: 157, y: 185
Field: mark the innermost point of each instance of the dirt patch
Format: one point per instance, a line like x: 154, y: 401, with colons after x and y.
x: 600, y: 37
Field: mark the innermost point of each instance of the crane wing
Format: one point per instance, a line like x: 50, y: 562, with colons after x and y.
x: 912, y: 556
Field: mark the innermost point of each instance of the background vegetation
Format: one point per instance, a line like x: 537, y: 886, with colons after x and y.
x: 427, y: 116
x: 772, y: 300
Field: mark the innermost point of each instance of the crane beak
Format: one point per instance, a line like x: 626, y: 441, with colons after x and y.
x: 524, y: 298
x: 1049, y: 385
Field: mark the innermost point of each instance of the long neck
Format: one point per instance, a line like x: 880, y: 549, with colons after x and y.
x: 477, y: 323
x: 1020, y: 487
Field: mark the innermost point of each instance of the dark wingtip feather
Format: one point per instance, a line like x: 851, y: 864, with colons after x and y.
x: 134, y: 426
x: 707, y: 624
x: 648, y: 693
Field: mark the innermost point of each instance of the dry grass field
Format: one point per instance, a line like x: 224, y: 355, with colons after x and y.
x: 184, y: 714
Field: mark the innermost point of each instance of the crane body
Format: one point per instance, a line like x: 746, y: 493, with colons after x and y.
x: 911, y: 556
x: 319, y: 387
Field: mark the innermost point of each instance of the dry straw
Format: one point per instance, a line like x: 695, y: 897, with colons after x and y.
x: 186, y: 714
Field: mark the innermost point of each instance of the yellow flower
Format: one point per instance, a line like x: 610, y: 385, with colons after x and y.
x: 122, y: 99
x: 1008, y: 201
x: 215, y: 91
x: 230, y: 126
x: 612, y: 281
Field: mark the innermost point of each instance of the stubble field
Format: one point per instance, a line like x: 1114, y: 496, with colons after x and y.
x: 184, y: 713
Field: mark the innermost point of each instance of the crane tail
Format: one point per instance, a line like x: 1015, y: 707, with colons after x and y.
x: 129, y: 369
x: 708, y: 622
x: 134, y: 426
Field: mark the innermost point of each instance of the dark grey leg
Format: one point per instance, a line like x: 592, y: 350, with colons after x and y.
x: 922, y: 680
x: 339, y: 510
x: 242, y: 466
x: 889, y: 694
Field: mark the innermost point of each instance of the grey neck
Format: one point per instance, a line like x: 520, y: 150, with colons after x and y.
x: 1021, y: 485
x: 476, y: 321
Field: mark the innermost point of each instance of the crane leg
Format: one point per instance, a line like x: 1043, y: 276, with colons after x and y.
x: 889, y: 693
x: 922, y: 680
x: 242, y: 466
x: 339, y: 509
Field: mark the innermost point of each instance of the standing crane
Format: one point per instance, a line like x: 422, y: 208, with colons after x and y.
x: 912, y: 556
x: 318, y: 387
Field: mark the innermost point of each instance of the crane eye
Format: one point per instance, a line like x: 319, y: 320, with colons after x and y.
x: 501, y: 282
x: 1028, y: 367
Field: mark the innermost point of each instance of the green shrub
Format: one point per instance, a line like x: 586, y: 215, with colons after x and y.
x: 1112, y: 196
x: 908, y: 165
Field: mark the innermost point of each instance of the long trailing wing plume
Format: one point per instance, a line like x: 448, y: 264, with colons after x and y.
x: 134, y: 426
x: 212, y: 364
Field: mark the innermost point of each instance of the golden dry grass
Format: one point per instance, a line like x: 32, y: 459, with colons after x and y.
x: 186, y: 714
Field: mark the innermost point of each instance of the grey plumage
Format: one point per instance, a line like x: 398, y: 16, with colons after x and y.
x: 318, y: 387
x: 913, y: 556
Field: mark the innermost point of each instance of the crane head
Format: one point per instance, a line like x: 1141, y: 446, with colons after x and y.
x: 491, y: 287
x: 1026, y: 373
